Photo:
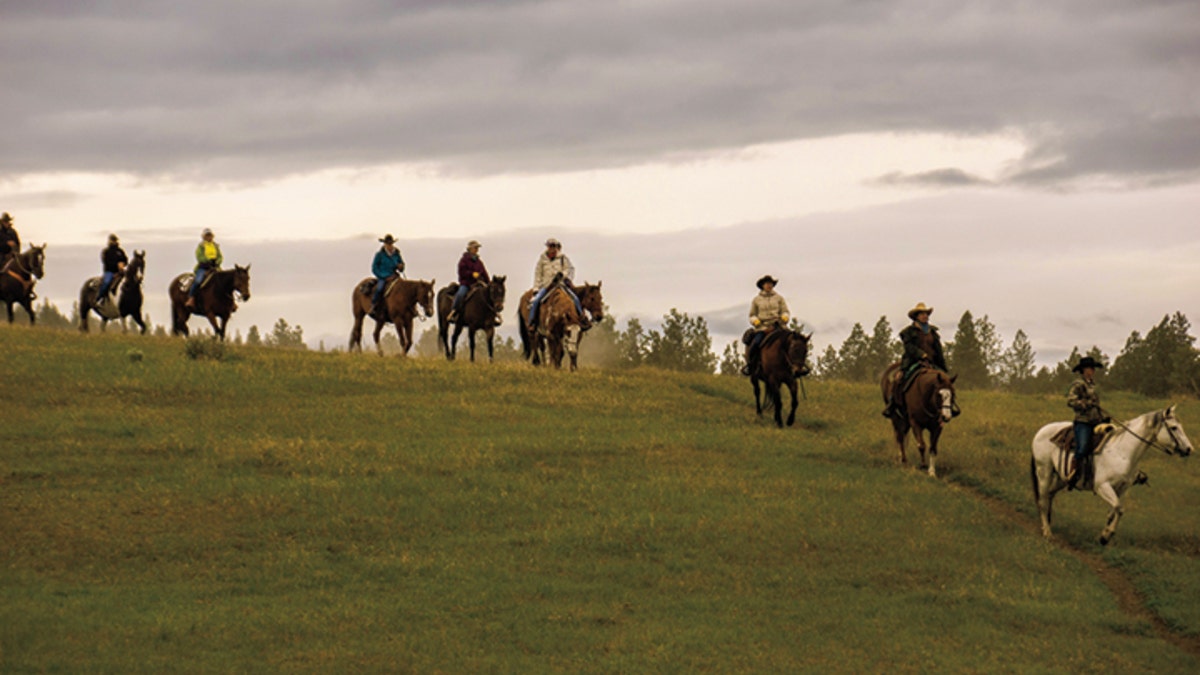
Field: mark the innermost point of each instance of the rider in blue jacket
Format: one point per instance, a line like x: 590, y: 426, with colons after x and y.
x: 387, y: 263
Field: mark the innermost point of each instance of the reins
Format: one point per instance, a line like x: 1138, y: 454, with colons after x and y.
x: 1162, y: 422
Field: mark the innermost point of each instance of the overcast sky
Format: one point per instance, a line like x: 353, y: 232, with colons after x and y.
x: 1036, y: 162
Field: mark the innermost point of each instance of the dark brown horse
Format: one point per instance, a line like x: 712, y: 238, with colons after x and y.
x: 129, y: 296
x: 783, y: 358
x: 17, y: 278
x: 402, y: 300
x: 928, y: 404
x: 559, y: 324
x: 214, y: 299
x: 480, y: 311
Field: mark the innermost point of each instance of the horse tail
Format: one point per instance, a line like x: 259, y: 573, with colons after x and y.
x: 526, y: 339
x: 1034, y: 478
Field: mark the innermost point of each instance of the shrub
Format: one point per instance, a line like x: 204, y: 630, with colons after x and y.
x: 204, y: 347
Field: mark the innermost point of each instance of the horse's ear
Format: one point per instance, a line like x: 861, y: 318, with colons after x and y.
x: 1171, y: 410
x: 953, y: 378
x: 599, y: 283
x: 248, y: 267
x: 806, y: 337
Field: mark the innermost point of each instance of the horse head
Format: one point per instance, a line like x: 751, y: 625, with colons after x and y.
x: 136, y: 268
x: 797, y: 349
x: 496, y: 293
x: 947, y: 397
x: 35, y: 260
x: 592, y: 300
x: 1177, y: 442
x: 241, y: 281
x: 425, y: 296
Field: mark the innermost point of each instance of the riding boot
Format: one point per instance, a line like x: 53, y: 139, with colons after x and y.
x: 452, y: 316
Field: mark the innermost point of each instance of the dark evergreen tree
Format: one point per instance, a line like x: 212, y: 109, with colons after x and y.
x: 967, y: 356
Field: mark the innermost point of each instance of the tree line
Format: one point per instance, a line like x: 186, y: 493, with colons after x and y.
x: 1163, y: 361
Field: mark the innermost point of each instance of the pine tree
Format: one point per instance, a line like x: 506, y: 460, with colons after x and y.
x: 252, y: 336
x: 855, y: 356
x: 1017, y: 364
x: 968, y: 355
x: 829, y: 367
x: 732, y: 359
x: 631, y: 344
x: 884, y: 348
x: 684, y: 344
x: 990, y: 346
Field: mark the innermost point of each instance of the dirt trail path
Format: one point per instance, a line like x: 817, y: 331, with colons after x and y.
x: 1127, y: 596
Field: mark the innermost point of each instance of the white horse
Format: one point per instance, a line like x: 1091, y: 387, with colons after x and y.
x: 1115, y: 465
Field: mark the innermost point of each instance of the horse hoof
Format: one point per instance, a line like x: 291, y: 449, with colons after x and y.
x: 1103, y: 540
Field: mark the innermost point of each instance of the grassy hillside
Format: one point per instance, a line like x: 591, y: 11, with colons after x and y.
x: 307, y: 512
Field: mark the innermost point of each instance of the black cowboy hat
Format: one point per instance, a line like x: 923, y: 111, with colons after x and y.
x: 388, y: 239
x: 1087, y: 362
x: 766, y: 279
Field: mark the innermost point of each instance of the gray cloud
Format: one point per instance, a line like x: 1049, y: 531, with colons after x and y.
x: 42, y: 199
x: 234, y: 91
x: 949, y: 177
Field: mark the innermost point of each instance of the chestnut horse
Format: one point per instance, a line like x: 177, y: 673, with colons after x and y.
x: 479, y: 312
x: 559, y: 324
x: 129, y: 296
x: 18, y: 277
x: 402, y: 299
x: 928, y: 404
x: 214, y: 299
x: 783, y: 357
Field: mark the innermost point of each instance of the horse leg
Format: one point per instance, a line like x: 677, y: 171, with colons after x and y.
x: 934, y: 434
x: 900, y: 432
x: 490, y: 332
x: 356, y: 333
x: 137, y: 318
x: 11, y: 317
x: 103, y: 324
x: 29, y: 310
x: 218, y: 330
x: 1044, y: 490
x: 795, y: 402
x: 378, y: 330
x: 757, y: 396
x: 453, y: 353
x: 406, y: 340
x: 919, y: 434
x: 777, y: 401
x: 471, y: 339
x: 1108, y: 494
x: 83, y: 317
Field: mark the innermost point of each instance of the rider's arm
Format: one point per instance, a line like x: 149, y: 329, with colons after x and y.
x: 1078, y: 398
x: 568, y: 269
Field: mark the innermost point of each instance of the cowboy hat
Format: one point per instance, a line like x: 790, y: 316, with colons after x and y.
x: 1087, y: 362
x: 766, y: 279
x: 388, y: 239
x: 920, y: 308
x: 554, y: 242
x: 112, y: 238
x: 206, y: 232
x: 473, y: 243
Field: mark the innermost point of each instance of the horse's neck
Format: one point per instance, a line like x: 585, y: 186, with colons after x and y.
x: 1127, y: 446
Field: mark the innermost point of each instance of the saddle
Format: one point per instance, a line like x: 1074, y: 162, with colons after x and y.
x: 1065, y: 439
x: 186, y: 279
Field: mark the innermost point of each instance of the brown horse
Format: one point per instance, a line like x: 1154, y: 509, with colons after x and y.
x: 928, y: 404
x: 17, y: 278
x: 559, y: 324
x: 783, y: 358
x: 480, y: 311
x: 402, y: 299
x: 214, y: 300
x: 129, y: 296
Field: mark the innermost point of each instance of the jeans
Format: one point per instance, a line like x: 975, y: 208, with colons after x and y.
x: 200, y: 274
x: 105, y: 282
x: 1083, y: 440
x: 537, y: 301
x: 378, y: 291
x: 459, y: 296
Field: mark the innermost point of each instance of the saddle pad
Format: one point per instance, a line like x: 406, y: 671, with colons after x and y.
x: 185, y: 282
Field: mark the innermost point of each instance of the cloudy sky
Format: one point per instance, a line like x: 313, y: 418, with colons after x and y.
x: 1035, y: 162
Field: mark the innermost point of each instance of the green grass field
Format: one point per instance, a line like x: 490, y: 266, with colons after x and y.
x: 301, y: 512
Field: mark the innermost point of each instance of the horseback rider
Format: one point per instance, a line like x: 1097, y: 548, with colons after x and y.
x: 767, y: 310
x: 922, y: 348
x: 550, y: 265
x: 1084, y: 400
x: 114, y: 260
x: 10, y: 241
x: 470, y: 272
x: 387, y: 263
x: 208, y: 259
